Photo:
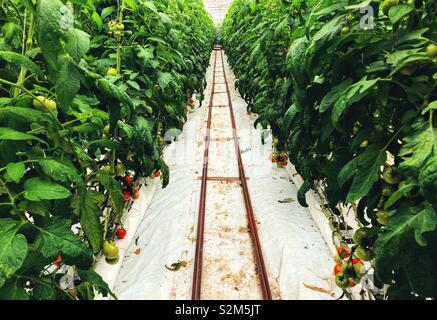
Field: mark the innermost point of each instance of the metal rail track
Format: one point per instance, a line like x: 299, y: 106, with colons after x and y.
x: 258, y: 256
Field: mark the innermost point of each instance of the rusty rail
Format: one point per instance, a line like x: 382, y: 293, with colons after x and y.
x: 198, y: 259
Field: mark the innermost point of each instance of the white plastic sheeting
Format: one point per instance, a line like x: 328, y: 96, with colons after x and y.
x: 298, y: 260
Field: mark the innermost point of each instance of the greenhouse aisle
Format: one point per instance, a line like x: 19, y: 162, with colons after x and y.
x: 159, y: 263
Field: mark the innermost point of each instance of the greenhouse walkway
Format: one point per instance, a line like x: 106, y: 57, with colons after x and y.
x: 161, y: 262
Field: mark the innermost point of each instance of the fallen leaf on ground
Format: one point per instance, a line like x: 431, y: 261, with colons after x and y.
x: 286, y: 200
x: 177, y: 265
x: 319, y: 289
x: 138, y: 251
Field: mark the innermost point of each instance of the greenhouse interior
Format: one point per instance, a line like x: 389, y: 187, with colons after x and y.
x: 218, y: 150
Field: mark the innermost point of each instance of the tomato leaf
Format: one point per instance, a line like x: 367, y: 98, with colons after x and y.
x: 13, y: 248
x: 12, y: 290
x: 20, y: 60
x: 89, y: 279
x: 58, y: 238
x: 397, y: 12
x: 37, y: 189
x: 115, y: 192
x: 406, y: 228
x: 87, y: 206
x: 364, y: 169
x: 61, y: 172
x: 67, y: 82
x: 77, y: 43
x: 15, y: 171
x: 49, y: 30
x: 11, y: 134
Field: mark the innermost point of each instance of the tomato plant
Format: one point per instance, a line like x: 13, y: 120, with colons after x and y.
x: 86, y: 89
x: 353, y: 107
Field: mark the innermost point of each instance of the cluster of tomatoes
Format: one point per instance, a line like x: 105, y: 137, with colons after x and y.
x: 115, y: 28
x: 349, y: 270
x: 280, y: 158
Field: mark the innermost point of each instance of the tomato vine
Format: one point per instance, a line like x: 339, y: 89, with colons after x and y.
x: 353, y: 106
x: 87, y: 91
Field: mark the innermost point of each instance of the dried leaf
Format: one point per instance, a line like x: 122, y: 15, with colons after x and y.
x: 319, y: 289
x: 286, y: 200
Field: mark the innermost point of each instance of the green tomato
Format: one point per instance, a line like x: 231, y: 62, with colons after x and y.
x: 106, y: 169
x: 275, y: 141
x: 358, y: 268
x: 43, y: 104
x: 363, y: 254
x: 106, y: 129
x: 382, y: 217
x: 120, y: 26
x: 110, y: 250
x: 348, y: 269
x: 388, y: 4
x: 342, y: 280
x: 431, y: 50
x: 337, y: 259
x: 149, y: 109
x: 119, y: 169
x: 364, y: 144
x: 361, y: 236
x: 111, y: 72
x: 390, y: 175
x: 345, y: 30
x: 112, y: 261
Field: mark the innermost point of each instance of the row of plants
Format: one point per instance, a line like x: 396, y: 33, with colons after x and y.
x: 87, y: 91
x: 349, y: 89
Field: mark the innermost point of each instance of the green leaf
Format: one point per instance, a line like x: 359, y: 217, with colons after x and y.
x: 304, y: 188
x: 365, y: 170
x: 164, y: 78
x: 58, y: 238
x: 89, y: 278
x: 107, y: 12
x: 77, y: 43
x: 11, y: 134
x: 15, y: 171
x: 37, y: 189
x: 49, y: 30
x: 67, y: 82
x: 114, y: 189
x: 397, y: 12
x: 30, y: 115
x: 403, y: 235
x: 12, y: 290
x: 13, y: 248
x: 20, y: 60
x: 60, y: 172
x: 353, y: 94
x: 134, y: 84
x: 332, y: 96
x: 418, y: 146
x: 401, y: 192
x: 87, y: 205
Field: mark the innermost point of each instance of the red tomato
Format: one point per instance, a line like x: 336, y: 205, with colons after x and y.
x: 126, y: 195
x: 121, y: 233
x: 343, y: 252
x: 128, y: 180
x: 357, y: 261
x: 337, y: 268
x: 157, y: 173
x: 58, y: 260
